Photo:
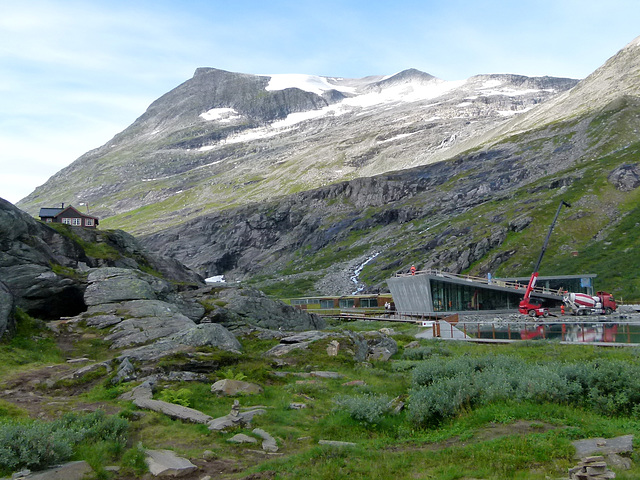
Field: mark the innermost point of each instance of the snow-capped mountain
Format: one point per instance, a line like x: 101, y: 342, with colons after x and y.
x: 222, y: 139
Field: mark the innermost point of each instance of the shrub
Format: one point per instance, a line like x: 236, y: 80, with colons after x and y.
x: 442, y: 399
x: 133, y: 461
x: 366, y: 408
x: 179, y: 397
x: 34, y: 444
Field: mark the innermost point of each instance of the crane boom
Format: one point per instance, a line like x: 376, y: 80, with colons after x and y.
x: 526, y: 306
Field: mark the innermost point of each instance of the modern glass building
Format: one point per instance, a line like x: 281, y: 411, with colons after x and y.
x: 433, y: 292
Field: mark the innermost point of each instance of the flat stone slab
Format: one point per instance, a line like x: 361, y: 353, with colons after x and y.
x: 167, y: 463
x: 334, y: 443
x: 66, y: 471
x: 235, y: 387
x: 599, y: 446
x: 173, y: 410
x: 242, y: 438
x: 268, y: 442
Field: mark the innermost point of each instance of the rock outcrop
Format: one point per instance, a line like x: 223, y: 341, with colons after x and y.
x: 45, y: 269
x: 237, y: 307
x: 7, y: 321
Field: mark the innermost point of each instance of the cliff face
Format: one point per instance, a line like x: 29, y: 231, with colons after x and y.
x: 44, y: 269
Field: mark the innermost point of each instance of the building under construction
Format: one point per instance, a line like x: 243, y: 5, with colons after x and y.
x: 434, y: 291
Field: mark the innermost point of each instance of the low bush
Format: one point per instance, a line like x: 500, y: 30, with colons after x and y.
x: 366, y: 408
x: 35, y: 444
x: 441, y: 387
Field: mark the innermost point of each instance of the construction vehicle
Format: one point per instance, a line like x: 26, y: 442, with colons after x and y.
x: 602, y: 303
x: 527, y: 307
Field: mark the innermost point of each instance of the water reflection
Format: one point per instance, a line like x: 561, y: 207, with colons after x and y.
x: 576, y: 332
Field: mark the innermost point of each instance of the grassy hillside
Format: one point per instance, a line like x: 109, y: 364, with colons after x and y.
x: 470, y: 411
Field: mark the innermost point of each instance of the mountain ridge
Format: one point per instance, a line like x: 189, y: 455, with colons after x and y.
x: 276, y: 142
x: 420, y: 170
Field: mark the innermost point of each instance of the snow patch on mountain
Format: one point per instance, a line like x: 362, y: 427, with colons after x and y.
x: 222, y: 115
x: 308, y: 83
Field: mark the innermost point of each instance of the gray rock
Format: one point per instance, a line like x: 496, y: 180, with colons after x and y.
x: 234, y: 419
x: 325, y: 374
x: 103, y: 321
x: 335, y: 443
x: 242, y: 438
x: 381, y: 347
x: 94, y: 367
x: 173, y: 410
x: 626, y: 177
x: 230, y: 387
x: 110, y: 285
x: 285, y: 349
x: 167, y: 463
x: 67, y: 471
x: 213, y: 335
x: 136, y: 331
x: 7, y: 321
x: 600, y: 446
x: 247, y: 306
x: 269, y: 443
x: 208, y: 334
x: 308, y: 336
x: 126, y: 372
x: 144, y: 391
x: 154, y: 351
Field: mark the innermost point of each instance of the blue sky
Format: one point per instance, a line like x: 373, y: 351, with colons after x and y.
x: 75, y: 73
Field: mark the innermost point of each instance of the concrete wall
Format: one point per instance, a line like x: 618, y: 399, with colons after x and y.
x: 411, y: 294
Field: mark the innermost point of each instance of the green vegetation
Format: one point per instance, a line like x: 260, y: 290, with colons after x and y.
x: 37, y: 444
x: 30, y: 346
x: 470, y: 411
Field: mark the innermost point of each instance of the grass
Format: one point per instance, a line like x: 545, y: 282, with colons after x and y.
x: 31, y: 346
x: 501, y: 439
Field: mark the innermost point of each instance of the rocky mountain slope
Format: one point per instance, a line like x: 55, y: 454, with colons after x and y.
x: 472, y: 189
x: 485, y: 210
x: 225, y: 139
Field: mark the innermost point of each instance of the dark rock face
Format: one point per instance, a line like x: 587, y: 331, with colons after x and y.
x: 7, y: 322
x: 247, y: 306
x: 626, y: 177
x: 46, y: 271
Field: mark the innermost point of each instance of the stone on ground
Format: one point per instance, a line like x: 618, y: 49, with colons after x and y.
x: 167, y: 463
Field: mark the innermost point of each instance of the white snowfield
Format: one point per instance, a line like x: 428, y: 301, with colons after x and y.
x: 362, y: 95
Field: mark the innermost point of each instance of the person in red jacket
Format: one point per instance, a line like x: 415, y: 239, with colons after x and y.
x: 413, y: 269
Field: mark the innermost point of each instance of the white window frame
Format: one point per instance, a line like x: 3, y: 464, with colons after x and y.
x: 88, y: 222
x: 76, y: 222
x: 66, y: 221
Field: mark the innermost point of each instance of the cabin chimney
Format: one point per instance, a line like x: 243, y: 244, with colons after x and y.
x: 62, y: 204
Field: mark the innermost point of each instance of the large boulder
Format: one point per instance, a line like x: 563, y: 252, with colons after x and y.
x: 137, y: 331
x: 207, y: 334
x: 240, y: 306
x: 111, y: 285
x: 7, y: 322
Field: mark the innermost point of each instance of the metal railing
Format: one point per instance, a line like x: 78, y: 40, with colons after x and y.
x: 483, y: 280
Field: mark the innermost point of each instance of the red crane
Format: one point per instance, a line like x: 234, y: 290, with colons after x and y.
x: 536, y: 309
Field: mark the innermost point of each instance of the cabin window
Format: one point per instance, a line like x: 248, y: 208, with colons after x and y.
x: 77, y: 222
x: 368, y: 302
x: 326, y: 303
x: 66, y: 221
x: 347, y: 303
x: 88, y: 222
